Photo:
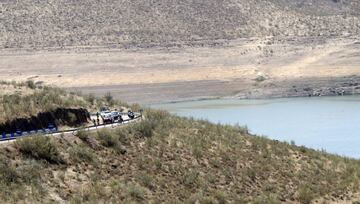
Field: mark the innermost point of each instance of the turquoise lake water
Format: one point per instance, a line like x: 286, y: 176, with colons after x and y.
x: 329, y: 123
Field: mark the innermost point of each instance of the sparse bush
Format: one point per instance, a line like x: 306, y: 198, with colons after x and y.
x: 123, y: 134
x: 136, y: 192
x: 86, y: 137
x: 40, y: 147
x: 90, y: 98
x: 292, y: 143
x: 146, y: 180
x: 197, y: 151
x: 82, y: 134
x: 200, y: 198
x: 145, y: 128
x: 2, y: 82
x: 109, y: 99
x: 30, y: 84
x: 243, y: 130
x: 260, y: 78
x: 30, y: 172
x: 251, y: 173
x: 303, y: 149
x: 158, y: 164
x: 207, y: 200
x: 190, y: 178
x: 305, y: 195
x: 220, y: 197
x: 109, y: 139
x: 198, y: 145
x: 8, y: 172
x: 271, y: 199
x: 175, y: 201
x: 156, y: 115
x: 153, y: 118
x: 82, y: 154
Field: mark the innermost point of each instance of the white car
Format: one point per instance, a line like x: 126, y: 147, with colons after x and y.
x: 107, y: 116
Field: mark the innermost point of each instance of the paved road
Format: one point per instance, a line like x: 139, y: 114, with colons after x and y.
x: 74, y: 131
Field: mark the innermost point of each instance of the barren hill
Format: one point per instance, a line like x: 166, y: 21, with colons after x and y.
x: 216, y: 47
x: 38, y: 24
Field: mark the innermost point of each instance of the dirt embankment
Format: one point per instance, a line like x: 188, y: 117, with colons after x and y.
x: 59, y: 117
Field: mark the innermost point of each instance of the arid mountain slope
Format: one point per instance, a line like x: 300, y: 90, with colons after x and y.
x: 321, y: 7
x: 217, y: 47
x: 128, y: 23
x: 167, y: 159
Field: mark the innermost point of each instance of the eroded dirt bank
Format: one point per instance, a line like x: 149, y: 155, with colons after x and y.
x: 245, y: 68
x: 59, y: 117
x: 240, y: 88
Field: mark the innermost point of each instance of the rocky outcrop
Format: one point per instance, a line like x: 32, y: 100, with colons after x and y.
x: 305, y: 87
x: 58, y: 117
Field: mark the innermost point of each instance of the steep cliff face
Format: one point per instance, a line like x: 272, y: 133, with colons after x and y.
x: 59, y: 117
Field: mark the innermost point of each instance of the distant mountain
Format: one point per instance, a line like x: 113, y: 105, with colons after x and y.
x: 128, y: 23
x: 322, y: 7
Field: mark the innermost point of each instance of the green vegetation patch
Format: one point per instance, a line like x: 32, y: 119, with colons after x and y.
x: 40, y: 147
x: 40, y: 99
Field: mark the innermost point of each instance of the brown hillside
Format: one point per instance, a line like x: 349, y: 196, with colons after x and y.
x: 167, y: 159
x: 127, y: 23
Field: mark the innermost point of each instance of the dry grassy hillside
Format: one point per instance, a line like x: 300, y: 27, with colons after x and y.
x: 23, y: 100
x: 39, y: 24
x: 29, y: 103
x: 167, y: 159
x: 321, y: 7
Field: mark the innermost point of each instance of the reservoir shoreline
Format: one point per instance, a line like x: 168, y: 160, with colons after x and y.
x: 322, y: 123
x: 239, y: 88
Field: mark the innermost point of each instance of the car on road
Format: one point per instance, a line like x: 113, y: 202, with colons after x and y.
x: 116, y: 116
x: 131, y: 114
x: 107, y: 116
